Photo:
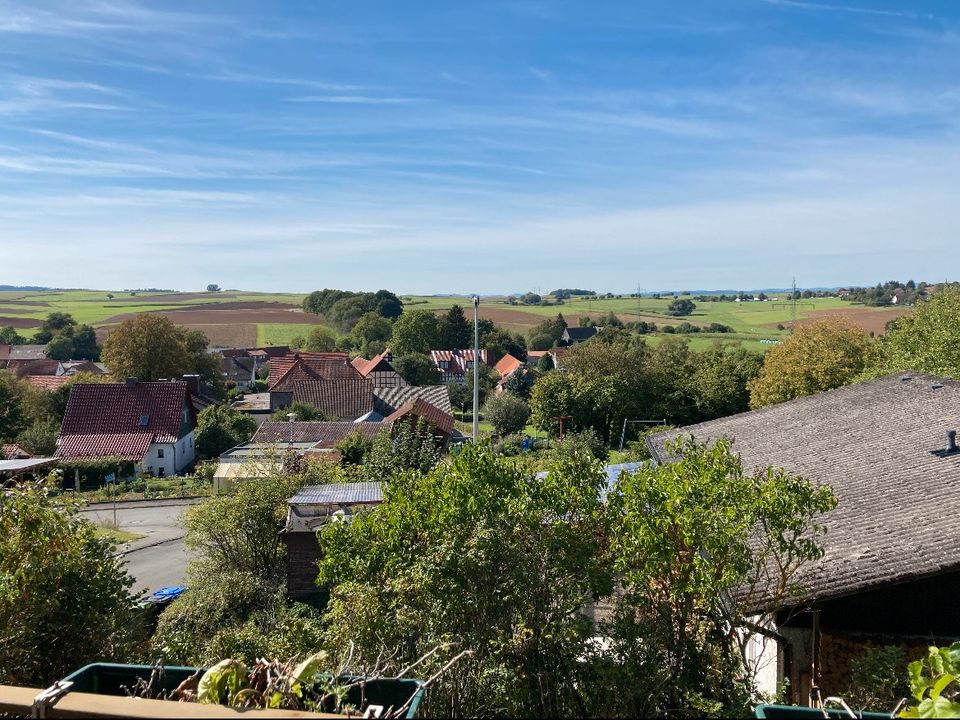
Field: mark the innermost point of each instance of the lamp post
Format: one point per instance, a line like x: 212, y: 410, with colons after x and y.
x: 476, y: 369
x: 290, y: 418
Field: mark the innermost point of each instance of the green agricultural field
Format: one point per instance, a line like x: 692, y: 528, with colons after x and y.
x: 237, y: 317
x: 279, y: 333
x: 217, y: 314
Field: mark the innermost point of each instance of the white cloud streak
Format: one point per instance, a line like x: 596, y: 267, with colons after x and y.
x: 823, y: 7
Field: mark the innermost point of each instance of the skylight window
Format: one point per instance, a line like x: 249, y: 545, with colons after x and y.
x: 144, y: 420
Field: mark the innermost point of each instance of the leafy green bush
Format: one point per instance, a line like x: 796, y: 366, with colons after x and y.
x: 877, y: 678
x: 214, y: 602
x: 507, y: 412
x: 64, y: 594
x: 354, y: 448
x: 585, y: 442
x: 934, y: 684
x: 496, y: 560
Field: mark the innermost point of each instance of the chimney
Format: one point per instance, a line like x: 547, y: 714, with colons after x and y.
x: 193, y: 383
x: 131, y: 382
x: 951, y: 441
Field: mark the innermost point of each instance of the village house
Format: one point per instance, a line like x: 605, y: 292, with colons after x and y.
x: 573, y: 335
x: 149, y: 425
x: 240, y: 370
x: 890, y: 573
x: 327, y: 381
x: 507, y: 367
x: 387, y: 400
x: 379, y: 370
x: 455, y: 364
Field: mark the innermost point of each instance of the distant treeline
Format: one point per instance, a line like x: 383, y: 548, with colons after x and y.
x: 344, y: 308
x: 564, y: 293
x: 892, y: 292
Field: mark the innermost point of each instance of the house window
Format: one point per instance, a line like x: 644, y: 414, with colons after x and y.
x: 444, y: 364
x: 159, y: 452
x: 161, y: 472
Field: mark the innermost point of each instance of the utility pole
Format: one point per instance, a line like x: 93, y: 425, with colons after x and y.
x: 561, y: 418
x: 793, y: 325
x: 476, y: 369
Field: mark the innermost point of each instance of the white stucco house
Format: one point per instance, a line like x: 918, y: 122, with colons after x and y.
x: 149, y: 424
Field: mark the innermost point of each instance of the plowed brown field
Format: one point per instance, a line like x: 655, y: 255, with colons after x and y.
x: 232, y: 314
x: 19, y: 322
x: 874, y: 321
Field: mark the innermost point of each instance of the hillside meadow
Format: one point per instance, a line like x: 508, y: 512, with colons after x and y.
x: 237, y: 318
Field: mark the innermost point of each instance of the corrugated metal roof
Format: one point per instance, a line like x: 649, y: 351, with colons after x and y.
x: 339, y: 493
x: 24, y: 464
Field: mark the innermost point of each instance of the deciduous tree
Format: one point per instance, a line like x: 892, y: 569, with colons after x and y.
x: 681, y: 307
x: 221, y: 427
x: 699, y: 545
x: 508, y: 413
x: 417, y: 369
x: 320, y: 339
x: 820, y: 356
x: 417, y: 331
x: 150, y: 347
x: 371, y: 334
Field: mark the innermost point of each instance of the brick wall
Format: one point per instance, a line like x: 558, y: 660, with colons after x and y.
x: 302, y: 555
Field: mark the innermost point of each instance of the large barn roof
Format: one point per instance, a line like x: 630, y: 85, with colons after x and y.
x: 880, y: 446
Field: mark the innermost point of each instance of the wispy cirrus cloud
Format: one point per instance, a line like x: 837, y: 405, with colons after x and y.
x: 354, y: 100
x: 853, y: 9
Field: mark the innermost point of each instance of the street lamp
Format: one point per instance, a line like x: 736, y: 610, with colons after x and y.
x: 476, y: 369
x: 290, y: 418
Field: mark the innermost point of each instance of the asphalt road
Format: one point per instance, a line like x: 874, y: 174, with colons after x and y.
x: 159, y: 558
x: 158, y: 566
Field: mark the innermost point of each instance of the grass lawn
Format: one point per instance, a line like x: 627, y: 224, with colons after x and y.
x: 120, y: 537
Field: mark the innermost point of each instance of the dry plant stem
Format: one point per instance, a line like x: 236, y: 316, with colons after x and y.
x: 414, y: 664
x: 403, y: 708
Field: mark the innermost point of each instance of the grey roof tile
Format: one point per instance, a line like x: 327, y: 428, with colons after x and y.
x: 879, y: 445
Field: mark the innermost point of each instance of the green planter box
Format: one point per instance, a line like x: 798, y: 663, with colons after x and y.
x: 110, y: 678
x: 791, y: 712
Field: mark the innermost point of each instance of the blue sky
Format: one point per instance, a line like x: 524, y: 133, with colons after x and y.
x: 492, y: 147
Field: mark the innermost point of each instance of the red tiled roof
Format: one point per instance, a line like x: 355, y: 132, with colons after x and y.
x: 12, y: 451
x: 507, y: 365
x: 459, y: 360
x: 378, y: 363
x: 123, y: 446
x: 47, y: 382
x: 308, y: 366
x: 105, y: 420
x: 420, y: 408
x: 346, y: 399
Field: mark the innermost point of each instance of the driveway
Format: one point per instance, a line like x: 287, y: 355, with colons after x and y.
x: 159, y: 558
